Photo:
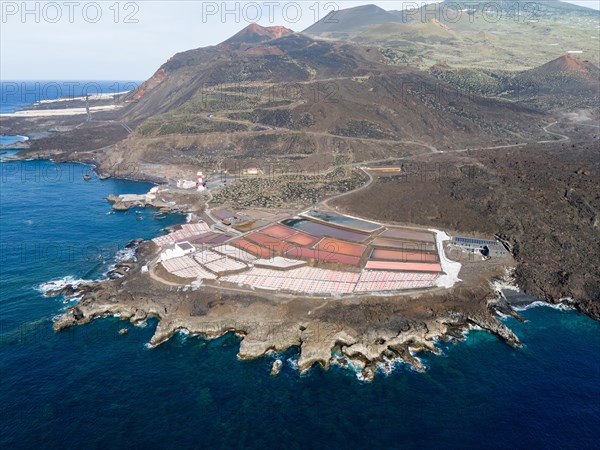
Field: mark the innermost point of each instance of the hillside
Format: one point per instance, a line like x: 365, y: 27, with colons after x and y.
x: 543, y: 199
x: 303, y: 101
x: 566, y: 75
x: 288, y: 59
x: 351, y: 20
x: 562, y: 84
x: 254, y: 33
x: 431, y: 31
x: 474, y: 35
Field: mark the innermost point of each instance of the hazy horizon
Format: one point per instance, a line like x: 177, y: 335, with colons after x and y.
x: 130, y: 41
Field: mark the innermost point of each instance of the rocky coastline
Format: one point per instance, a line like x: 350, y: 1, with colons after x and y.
x: 367, y: 334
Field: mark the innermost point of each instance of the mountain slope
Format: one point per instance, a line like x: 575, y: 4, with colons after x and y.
x: 291, y: 58
x: 475, y: 35
x: 564, y: 83
x: 254, y: 33
x: 564, y: 75
x: 351, y: 20
x: 308, y: 102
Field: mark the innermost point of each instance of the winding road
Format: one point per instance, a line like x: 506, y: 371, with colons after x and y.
x: 325, y: 203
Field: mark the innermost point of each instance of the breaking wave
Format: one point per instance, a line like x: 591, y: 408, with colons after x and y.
x: 61, y: 283
x: 540, y: 303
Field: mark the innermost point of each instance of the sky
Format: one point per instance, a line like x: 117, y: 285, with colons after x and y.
x: 129, y: 40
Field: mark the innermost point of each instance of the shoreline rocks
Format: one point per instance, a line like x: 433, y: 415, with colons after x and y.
x: 264, y: 327
x: 276, y: 367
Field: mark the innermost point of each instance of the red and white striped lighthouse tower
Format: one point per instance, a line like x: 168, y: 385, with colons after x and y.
x: 200, y: 185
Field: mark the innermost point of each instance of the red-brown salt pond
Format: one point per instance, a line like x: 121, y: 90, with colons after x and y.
x: 404, y: 266
x: 278, y: 231
x: 277, y: 245
x: 302, y: 239
x: 252, y: 248
x: 336, y: 246
x: 395, y: 255
x: 321, y: 255
x: 404, y: 245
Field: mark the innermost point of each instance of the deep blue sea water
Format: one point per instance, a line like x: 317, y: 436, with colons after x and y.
x: 89, y: 387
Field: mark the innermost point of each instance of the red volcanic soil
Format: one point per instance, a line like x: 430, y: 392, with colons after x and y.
x: 150, y: 84
x: 255, y: 33
x: 566, y: 75
x: 567, y: 63
x: 276, y: 31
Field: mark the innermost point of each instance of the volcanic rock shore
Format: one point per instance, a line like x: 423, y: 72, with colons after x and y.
x: 367, y: 331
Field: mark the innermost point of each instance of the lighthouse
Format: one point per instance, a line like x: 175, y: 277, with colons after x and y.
x: 200, y: 185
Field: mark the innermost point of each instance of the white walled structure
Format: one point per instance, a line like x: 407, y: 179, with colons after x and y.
x: 178, y: 250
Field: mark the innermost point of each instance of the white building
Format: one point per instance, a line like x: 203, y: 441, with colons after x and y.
x: 186, y: 184
x: 178, y: 250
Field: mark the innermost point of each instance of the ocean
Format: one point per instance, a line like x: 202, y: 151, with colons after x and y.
x: 91, y: 387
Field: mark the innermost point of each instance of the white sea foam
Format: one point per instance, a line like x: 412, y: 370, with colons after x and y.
x: 123, y: 255
x: 352, y: 365
x: 503, y: 285
x: 293, y: 363
x: 540, y: 303
x: 501, y: 315
x: 507, y: 283
x: 183, y: 334
x: 61, y: 283
x: 414, y: 355
x: 387, y: 366
x: 191, y: 217
x: 126, y: 254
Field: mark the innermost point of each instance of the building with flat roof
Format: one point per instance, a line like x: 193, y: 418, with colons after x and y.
x: 486, y: 247
x: 178, y: 250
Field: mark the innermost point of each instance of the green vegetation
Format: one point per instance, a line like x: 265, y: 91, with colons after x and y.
x: 480, y: 82
x: 218, y: 101
x: 275, y: 145
x: 186, y: 124
x: 288, y: 190
x: 245, y: 116
x: 281, y: 118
